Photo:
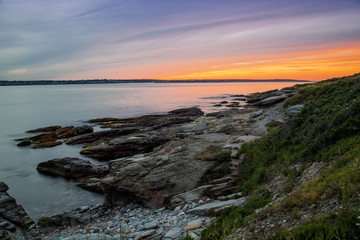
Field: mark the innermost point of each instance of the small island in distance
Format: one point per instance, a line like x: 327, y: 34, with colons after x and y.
x: 112, y: 81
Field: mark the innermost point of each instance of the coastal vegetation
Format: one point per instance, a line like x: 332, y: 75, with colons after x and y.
x: 326, y: 131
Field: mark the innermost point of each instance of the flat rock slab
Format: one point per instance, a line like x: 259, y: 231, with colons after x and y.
x: 173, y: 233
x: 213, y: 137
x: 216, y: 207
x: 151, y: 225
x: 119, y: 148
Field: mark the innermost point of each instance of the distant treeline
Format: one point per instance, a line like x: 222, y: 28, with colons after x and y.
x: 109, y: 81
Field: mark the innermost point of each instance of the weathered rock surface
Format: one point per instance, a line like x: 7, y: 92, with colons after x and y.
x: 123, y: 147
x: 191, y: 196
x: 72, y: 168
x: 175, y: 168
x: 173, y: 233
x: 216, y: 207
x: 92, y: 137
x: 119, y: 143
x: 293, y: 110
x: 271, y: 100
x: 13, y: 218
x: 167, y: 166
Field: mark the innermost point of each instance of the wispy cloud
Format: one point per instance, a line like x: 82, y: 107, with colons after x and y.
x: 125, y: 39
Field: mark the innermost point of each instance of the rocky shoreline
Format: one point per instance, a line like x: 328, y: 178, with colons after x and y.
x: 164, y: 176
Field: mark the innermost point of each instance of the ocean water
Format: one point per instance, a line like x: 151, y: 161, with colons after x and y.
x: 28, y: 107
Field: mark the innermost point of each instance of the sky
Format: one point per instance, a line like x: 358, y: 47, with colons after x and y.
x: 187, y: 39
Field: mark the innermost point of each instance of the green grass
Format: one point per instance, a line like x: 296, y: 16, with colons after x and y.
x: 341, y: 180
x: 222, y: 165
x: 233, y: 218
x: 343, y: 225
x: 330, y: 114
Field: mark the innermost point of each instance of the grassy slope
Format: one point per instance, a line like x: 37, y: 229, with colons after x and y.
x: 327, y: 130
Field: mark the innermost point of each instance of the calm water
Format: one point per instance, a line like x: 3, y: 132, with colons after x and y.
x: 28, y: 107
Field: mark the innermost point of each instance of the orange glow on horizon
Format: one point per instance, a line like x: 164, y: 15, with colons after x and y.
x: 310, y: 65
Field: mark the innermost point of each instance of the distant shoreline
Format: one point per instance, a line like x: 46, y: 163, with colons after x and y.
x: 112, y: 81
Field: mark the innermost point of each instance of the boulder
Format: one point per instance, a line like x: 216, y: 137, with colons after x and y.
x: 71, y: 168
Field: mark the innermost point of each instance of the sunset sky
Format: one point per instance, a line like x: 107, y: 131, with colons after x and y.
x: 185, y: 39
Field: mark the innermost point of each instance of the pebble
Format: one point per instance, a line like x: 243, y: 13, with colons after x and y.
x: 129, y: 222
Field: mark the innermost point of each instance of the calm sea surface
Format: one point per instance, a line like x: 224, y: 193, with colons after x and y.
x: 27, y: 107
